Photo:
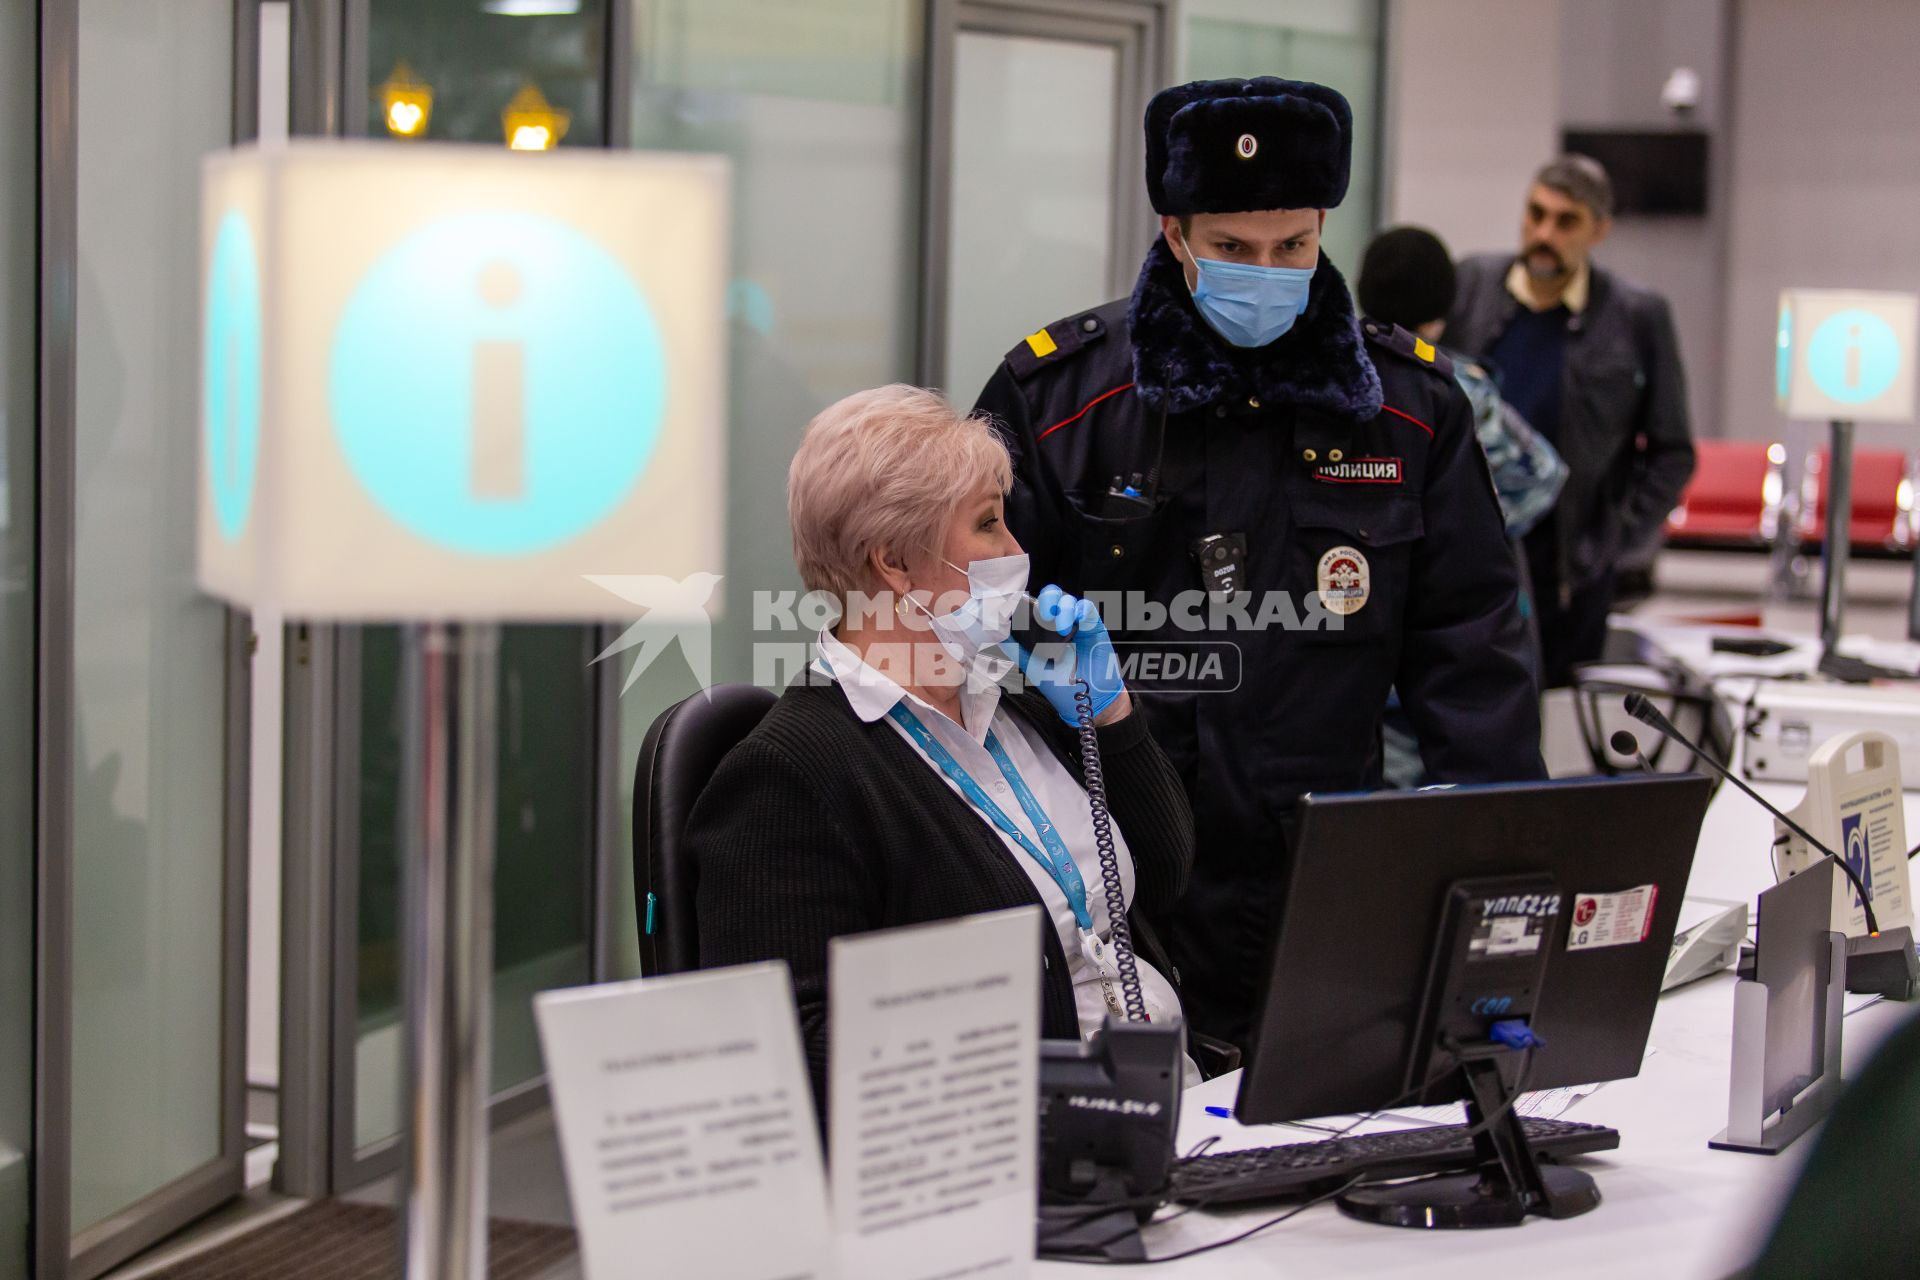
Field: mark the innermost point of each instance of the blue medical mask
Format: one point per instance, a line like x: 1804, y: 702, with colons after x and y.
x: 1250, y: 306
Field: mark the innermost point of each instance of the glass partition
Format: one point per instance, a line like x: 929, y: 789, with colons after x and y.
x: 542, y: 860
x: 1031, y: 210
x: 818, y: 107
x: 1331, y: 42
x: 18, y: 282
x: 149, y: 652
x: 473, y: 57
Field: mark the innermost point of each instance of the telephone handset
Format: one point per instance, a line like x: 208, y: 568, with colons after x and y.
x: 1109, y: 1105
x: 1043, y: 641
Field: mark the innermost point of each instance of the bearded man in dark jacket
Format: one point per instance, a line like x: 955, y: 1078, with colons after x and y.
x: 1247, y: 469
x: 1592, y: 362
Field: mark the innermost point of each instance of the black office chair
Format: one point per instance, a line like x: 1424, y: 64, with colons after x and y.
x: 681, y: 751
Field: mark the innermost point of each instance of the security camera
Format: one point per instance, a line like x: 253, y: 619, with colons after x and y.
x: 1681, y: 93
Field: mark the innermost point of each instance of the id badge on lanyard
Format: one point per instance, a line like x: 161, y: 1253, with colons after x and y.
x: 1057, y: 860
x: 1096, y: 953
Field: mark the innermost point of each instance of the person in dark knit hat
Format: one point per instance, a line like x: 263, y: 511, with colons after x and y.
x: 1407, y: 279
x: 1231, y: 455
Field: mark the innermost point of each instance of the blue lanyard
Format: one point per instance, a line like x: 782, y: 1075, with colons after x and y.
x: 1058, y: 862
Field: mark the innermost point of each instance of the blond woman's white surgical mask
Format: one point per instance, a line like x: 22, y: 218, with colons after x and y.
x: 985, y: 619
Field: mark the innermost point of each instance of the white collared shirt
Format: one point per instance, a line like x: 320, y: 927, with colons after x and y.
x: 872, y: 694
x: 1573, y: 297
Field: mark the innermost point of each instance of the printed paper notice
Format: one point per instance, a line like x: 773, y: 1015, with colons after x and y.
x: 687, y: 1127
x: 934, y: 1057
x: 1611, y: 919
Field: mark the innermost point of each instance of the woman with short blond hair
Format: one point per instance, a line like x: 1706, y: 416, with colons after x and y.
x: 897, y: 783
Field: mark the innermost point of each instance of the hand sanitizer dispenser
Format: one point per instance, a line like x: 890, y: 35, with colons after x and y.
x: 1855, y: 805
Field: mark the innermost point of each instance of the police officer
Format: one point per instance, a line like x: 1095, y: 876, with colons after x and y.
x: 1234, y: 429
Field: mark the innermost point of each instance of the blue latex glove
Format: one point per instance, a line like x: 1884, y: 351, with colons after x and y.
x: 1086, y: 650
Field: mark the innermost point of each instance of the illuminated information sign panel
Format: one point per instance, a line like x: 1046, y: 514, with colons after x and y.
x: 1845, y: 356
x: 451, y: 382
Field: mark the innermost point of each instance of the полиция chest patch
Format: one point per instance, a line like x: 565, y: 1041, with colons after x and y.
x: 1360, y: 471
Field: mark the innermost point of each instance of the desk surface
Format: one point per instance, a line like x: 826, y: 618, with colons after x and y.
x: 1671, y: 1208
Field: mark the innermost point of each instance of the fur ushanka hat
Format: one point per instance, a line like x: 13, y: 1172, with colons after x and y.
x: 1228, y: 146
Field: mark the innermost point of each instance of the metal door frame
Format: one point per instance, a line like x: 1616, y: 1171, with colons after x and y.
x: 1143, y: 33
x: 59, y: 1253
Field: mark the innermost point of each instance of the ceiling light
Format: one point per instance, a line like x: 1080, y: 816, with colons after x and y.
x: 531, y: 123
x: 405, y: 103
x: 531, y: 8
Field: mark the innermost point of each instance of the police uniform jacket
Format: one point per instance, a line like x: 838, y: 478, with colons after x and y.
x: 1347, y: 460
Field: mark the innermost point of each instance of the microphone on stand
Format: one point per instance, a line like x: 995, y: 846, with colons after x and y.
x: 1644, y: 711
x: 1882, y: 963
x: 1625, y: 744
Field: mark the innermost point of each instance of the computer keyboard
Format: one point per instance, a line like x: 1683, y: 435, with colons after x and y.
x: 1306, y: 1168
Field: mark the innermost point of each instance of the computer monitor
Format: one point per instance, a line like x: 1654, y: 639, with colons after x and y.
x: 1414, y: 922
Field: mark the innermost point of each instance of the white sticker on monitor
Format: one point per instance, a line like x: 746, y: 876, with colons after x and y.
x: 1499, y: 936
x: 1612, y: 919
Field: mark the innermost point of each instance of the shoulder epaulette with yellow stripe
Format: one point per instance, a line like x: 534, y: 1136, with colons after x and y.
x: 1055, y: 344
x: 1409, y: 344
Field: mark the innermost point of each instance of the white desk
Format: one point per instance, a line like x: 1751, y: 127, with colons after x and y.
x: 1672, y: 1209
x: 1732, y: 862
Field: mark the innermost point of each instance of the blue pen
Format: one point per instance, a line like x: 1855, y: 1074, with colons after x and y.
x: 1226, y: 1113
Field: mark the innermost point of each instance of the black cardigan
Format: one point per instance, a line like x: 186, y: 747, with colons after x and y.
x: 819, y: 825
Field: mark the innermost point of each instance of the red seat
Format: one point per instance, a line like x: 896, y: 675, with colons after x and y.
x: 1882, y: 501
x: 1723, y: 504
